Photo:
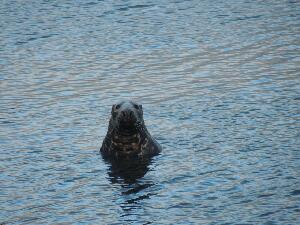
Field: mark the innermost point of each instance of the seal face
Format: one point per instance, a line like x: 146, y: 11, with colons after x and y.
x: 127, y: 135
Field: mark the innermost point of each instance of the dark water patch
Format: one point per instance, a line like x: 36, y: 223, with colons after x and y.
x: 134, y: 7
x: 266, y: 214
x: 265, y: 195
x: 247, y: 17
x: 136, y: 200
x: 5, y: 121
x: 137, y: 189
x: 295, y: 192
x: 91, y: 3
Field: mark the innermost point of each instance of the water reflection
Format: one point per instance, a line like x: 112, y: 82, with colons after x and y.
x: 127, y: 171
x: 134, y: 190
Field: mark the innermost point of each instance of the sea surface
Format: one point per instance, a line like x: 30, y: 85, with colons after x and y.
x: 220, y: 86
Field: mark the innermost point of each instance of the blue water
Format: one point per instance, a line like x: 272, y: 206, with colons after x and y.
x: 220, y: 86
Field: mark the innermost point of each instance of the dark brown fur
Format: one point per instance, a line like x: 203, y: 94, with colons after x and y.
x: 127, y: 135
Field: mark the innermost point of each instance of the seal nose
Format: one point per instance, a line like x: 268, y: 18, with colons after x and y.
x: 127, y: 114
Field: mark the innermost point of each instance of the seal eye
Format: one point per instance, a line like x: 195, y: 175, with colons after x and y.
x: 117, y: 106
x: 136, y: 106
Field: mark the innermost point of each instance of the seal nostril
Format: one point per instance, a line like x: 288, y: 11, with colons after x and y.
x: 123, y: 114
x: 131, y: 114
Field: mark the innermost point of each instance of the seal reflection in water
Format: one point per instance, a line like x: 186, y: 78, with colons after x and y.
x: 127, y: 170
x: 128, y: 144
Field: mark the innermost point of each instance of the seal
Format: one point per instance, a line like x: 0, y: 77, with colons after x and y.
x: 127, y: 136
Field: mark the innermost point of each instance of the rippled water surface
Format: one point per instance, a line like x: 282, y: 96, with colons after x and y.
x: 220, y: 86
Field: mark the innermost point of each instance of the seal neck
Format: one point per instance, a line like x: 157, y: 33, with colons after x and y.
x: 126, y: 131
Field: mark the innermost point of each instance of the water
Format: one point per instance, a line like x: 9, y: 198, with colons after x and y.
x: 220, y: 87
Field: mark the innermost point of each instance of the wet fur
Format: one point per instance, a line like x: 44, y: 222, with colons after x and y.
x: 131, y: 140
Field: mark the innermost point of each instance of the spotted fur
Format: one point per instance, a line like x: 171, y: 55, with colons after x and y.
x: 127, y: 135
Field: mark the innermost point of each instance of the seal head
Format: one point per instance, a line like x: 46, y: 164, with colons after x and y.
x: 125, y: 116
